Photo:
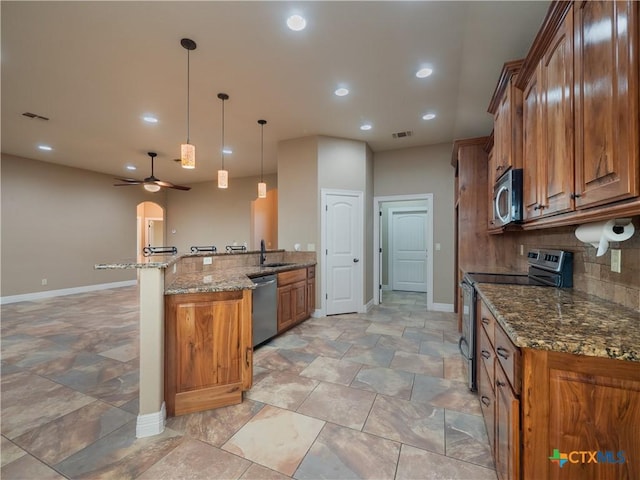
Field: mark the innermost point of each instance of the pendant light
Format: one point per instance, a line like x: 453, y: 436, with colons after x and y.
x: 262, y: 186
x: 223, y: 175
x: 188, y: 151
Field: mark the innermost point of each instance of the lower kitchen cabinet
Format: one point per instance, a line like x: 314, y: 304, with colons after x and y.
x: 311, y: 290
x: 292, y: 298
x: 208, y: 350
x: 587, y: 409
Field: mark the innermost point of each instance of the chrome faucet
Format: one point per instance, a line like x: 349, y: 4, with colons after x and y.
x: 263, y: 257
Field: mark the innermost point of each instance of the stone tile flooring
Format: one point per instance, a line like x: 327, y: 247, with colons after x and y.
x: 380, y: 395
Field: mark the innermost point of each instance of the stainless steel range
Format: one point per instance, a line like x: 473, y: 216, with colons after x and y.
x: 547, y: 268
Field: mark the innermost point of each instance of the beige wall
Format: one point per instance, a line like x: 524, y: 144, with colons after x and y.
x: 58, y: 222
x: 298, y: 197
x: 421, y: 170
x: 207, y: 215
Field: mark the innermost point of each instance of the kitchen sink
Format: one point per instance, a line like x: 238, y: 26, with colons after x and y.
x: 276, y: 264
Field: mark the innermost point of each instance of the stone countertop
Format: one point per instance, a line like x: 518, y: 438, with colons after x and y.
x: 564, y: 320
x: 154, y: 261
x: 224, y: 280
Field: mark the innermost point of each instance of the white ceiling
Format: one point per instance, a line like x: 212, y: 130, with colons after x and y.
x: 94, y: 68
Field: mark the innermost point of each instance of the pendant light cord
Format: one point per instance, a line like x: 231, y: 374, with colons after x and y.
x: 188, y: 92
x: 261, y: 150
x: 223, y: 134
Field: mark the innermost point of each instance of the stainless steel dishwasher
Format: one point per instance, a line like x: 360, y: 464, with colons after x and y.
x: 264, y: 309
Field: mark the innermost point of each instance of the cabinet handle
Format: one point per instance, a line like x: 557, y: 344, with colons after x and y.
x: 485, y: 400
x: 499, y: 167
x: 502, y: 352
x: 500, y: 384
x: 537, y: 207
x: 485, y: 321
x: 486, y: 354
x: 575, y: 195
x: 247, y: 355
x: 542, y: 207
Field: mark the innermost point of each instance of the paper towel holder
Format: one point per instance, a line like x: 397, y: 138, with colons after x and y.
x: 620, y: 229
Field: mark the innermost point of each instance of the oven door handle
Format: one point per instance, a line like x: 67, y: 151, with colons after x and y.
x: 463, y: 353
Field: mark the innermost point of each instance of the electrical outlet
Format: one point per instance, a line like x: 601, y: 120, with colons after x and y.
x: 207, y: 260
x: 615, y: 260
x: 44, y: 281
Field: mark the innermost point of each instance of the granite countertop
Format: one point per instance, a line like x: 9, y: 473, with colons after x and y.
x: 564, y: 320
x: 225, y: 280
x: 154, y: 261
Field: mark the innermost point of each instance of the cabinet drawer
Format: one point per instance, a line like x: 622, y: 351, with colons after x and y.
x: 508, y: 356
x: 486, y: 356
x: 488, y: 321
x: 292, y: 276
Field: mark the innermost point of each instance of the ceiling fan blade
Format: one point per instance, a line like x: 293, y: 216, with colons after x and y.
x: 128, y: 180
x: 126, y: 184
x: 171, y: 185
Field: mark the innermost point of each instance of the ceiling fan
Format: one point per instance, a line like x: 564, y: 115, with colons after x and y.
x: 151, y: 184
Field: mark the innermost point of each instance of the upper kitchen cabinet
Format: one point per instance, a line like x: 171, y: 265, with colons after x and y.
x: 606, y: 65
x: 506, y: 108
x: 581, y: 154
x: 547, y: 156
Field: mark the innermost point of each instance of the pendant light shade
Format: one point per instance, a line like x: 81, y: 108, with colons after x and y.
x: 223, y: 175
x: 188, y: 151
x: 262, y: 186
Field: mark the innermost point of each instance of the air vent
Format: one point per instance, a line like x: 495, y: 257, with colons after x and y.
x: 406, y: 133
x: 34, y: 115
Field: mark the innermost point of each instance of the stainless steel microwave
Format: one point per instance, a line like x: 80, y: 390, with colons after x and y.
x: 507, y: 198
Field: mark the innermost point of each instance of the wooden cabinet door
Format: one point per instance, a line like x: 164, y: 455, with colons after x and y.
x: 607, y: 131
x: 299, y: 300
x: 557, y: 121
x: 285, y: 308
x: 533, y: 172
x: 487, y: 395
x: 311, y: 295
x: 208, y: 355
x: 507, y: 429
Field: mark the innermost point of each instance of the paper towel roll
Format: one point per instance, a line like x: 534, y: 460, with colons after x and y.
x: 599, y: 234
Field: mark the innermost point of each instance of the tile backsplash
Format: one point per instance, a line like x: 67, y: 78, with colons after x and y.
x: 593, y: 274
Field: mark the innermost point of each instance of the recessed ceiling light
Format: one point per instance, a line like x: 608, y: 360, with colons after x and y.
x: 150, y: 119
x: 46, y: 148
x: 131, y: 167
x: 341, y: 92
x: 227, y: 151
x: 366, y: 126
x: 296, y: 22
x: 429, y: 116
x: 424, y: 72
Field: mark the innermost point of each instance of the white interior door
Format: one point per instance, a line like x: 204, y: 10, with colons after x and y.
x: 408, y: 244
x: 343, y: 252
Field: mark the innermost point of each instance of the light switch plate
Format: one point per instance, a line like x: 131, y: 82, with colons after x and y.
x: 615, y: 260
x: 207, y: 261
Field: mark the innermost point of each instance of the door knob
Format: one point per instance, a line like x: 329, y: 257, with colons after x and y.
x: 356, y: 260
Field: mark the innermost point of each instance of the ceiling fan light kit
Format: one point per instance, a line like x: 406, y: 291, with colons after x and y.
x: 188, y: 151
x: 151, y: 183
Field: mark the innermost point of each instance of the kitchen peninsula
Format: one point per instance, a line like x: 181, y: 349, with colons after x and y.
x: 207, y: 361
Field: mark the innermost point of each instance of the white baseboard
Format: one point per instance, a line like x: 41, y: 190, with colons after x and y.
x: 386, y: 288
x: 442, y: 307
x: 28, y: 297
x: 151, y: 424
x: 317, y: 313
x: 368, y: 306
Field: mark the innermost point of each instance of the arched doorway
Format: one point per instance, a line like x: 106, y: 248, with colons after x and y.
x: 150, y: 227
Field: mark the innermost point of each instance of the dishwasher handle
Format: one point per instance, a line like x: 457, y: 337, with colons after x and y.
x: 264, y: 284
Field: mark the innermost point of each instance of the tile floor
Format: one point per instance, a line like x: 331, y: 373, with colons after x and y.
x: 379, y: 395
